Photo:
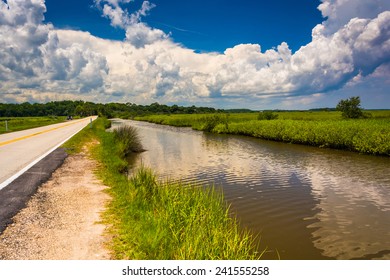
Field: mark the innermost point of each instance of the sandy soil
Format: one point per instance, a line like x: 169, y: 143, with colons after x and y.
x: 61, y: 221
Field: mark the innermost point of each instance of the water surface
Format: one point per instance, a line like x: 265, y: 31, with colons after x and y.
x: 304, y: 202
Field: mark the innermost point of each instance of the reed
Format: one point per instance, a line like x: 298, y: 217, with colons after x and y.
x: 165, y: 220
x: 365, y: 136
x: 128, y: 140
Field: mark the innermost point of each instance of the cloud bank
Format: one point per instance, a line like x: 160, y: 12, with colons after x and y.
x: 40, y: 63
x: 33, y: 60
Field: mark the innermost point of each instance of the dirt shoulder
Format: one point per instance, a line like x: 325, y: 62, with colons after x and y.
x: 62, y: 220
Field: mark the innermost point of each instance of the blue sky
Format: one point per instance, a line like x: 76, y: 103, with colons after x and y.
x: 226, y: 54
x: 204, y: 25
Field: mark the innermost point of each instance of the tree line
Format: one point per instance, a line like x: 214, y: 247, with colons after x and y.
x: 350, y: 108
x: 82, y: 109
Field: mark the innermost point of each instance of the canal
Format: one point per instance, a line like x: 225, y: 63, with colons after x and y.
x: 302, y: 202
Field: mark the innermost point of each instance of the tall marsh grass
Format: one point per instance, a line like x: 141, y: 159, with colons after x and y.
x: 364, y: 136
x: 320, y: 129
x: 164, y: 220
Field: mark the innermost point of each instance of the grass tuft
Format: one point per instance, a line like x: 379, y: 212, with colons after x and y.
x: 128, y: 140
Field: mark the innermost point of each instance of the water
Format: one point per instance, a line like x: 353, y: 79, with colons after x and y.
x: 304, y: 202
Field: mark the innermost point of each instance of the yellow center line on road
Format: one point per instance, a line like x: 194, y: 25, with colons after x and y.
x: 37, y: 133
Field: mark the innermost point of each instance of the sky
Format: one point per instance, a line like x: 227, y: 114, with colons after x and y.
x: 278, y: 54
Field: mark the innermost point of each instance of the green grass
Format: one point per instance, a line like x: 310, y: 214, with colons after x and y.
x: 190, y: 119
x: 21, y: 123
x: 86, y: 135
x: 364, y: 136
x: 162, y: 220
x: 320, y: 129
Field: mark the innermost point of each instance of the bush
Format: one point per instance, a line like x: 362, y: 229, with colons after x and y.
x: 128, y: 140
x: 267, y: 115
x: 209, y: 122
x: 106, y: 123
x: 350, y: 108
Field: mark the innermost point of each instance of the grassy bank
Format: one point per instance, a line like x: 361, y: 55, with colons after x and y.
x: 320, y: 129
x: 162, y: 220
x: 21, y: 123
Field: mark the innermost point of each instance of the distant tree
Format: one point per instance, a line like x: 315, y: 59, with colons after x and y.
x: 267, y: 115
x: 350, y: 108
x: 79, y: 110
x: 174, y: 108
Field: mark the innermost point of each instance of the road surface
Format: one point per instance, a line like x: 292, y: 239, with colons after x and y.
x: 21, y: 150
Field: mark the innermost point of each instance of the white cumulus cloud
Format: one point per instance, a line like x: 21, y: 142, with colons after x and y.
x: 33, y: 60
x: 339, y: 12
x: 137, y: 33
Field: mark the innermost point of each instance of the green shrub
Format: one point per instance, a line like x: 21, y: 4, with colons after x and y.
x: 350, y: 108
x: 106, y: 123
x: 209, y: 122
x: 267, y: 115
x: 128, y: 140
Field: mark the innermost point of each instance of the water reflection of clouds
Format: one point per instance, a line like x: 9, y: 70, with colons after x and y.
x: 366, y: 178
x: 168, y: 155
x: 354, y: 203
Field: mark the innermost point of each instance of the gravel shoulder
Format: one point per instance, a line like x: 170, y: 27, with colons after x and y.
x: 62, y: 220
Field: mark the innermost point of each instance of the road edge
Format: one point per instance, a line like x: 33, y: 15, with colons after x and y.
x: 16, y: 194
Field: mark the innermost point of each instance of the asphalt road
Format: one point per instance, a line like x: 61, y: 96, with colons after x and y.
x: 27, y: 160
x: 21, y: 150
